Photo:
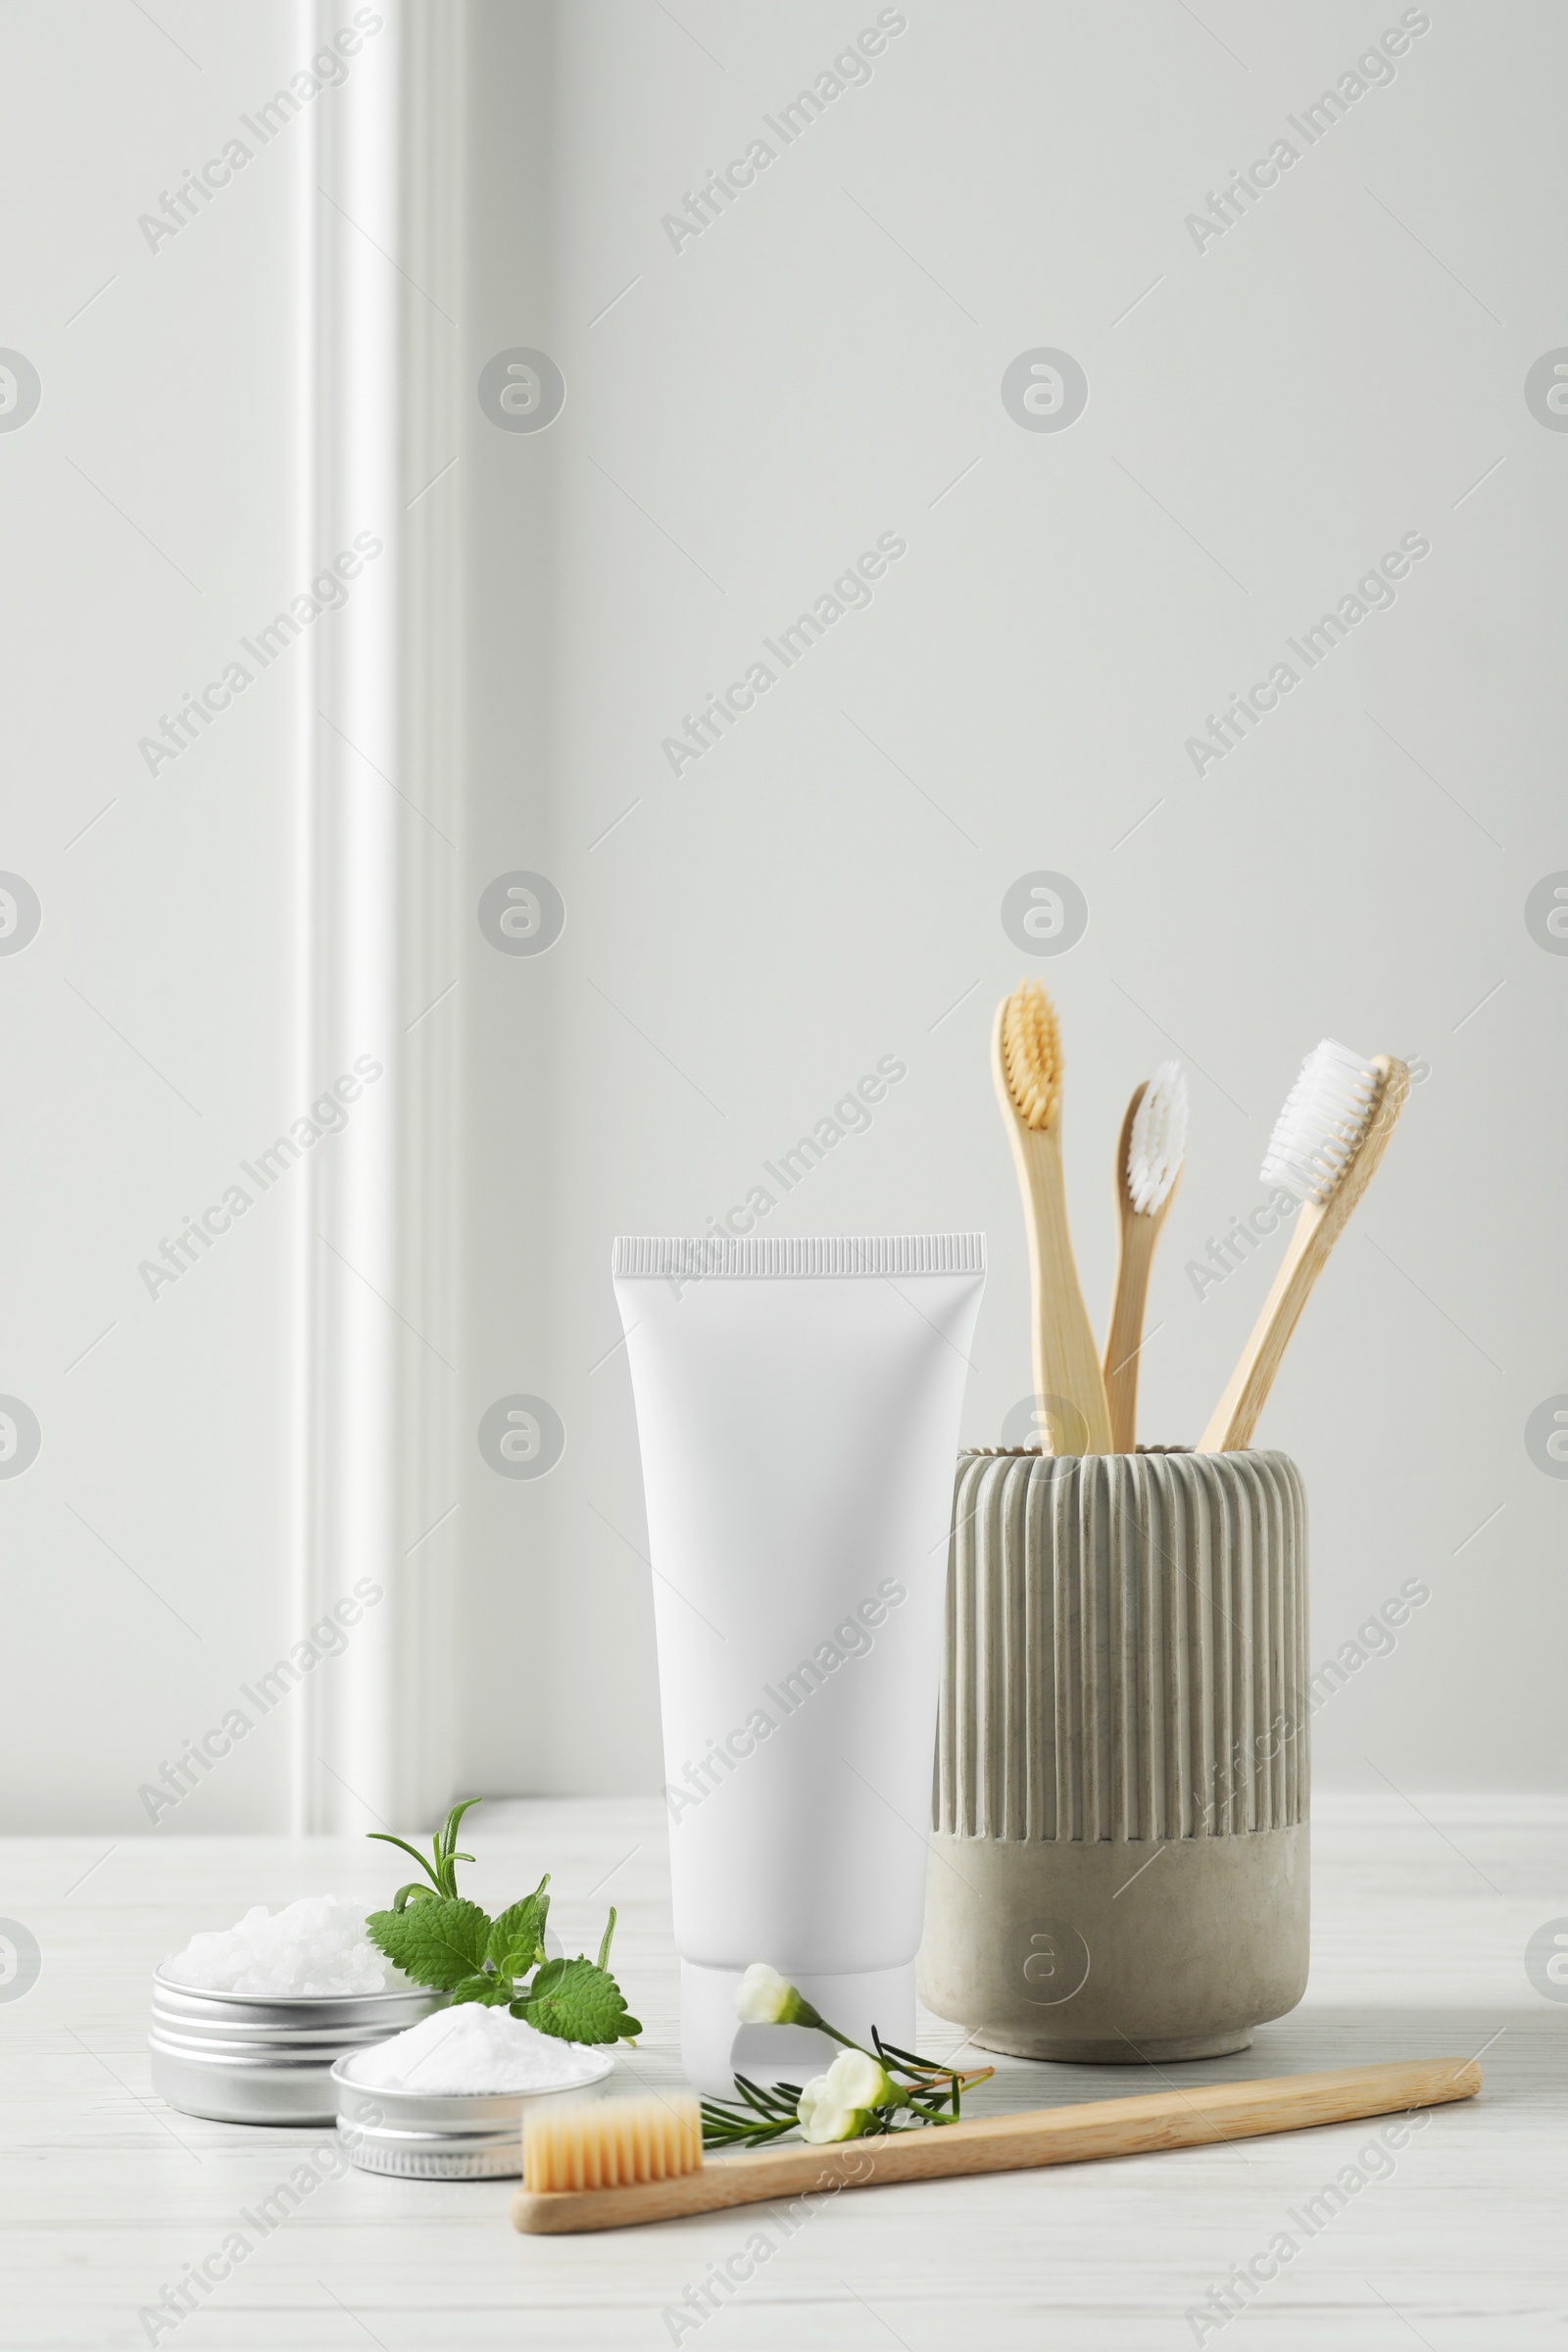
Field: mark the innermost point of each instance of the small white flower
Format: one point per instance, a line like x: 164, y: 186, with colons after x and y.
x: 764, y: 1997
x: 855, y: 2079
x: 829, y: 2122
x: 811, y: 2099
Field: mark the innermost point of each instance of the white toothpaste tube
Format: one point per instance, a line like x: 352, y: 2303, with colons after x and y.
x: 798, y: 1407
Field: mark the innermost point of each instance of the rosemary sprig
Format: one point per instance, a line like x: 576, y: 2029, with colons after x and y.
x: 775, y: 2110
x: 878, y: 2091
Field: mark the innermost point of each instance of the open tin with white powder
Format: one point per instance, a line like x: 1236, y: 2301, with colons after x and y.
x: 249, y: 2020
x: 255, y: 2058
x: 463, y: 2135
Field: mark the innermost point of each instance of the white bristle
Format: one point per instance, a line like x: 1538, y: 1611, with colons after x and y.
x: 1159, y: 1139
x: 1324, y: 1118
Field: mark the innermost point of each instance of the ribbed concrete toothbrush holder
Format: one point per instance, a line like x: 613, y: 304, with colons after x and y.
x: 1119, y: 1859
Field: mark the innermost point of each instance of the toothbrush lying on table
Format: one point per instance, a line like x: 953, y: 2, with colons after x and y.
x: 1327, y: 1142
x: 606, y: 2163
x: 1149, y: 1167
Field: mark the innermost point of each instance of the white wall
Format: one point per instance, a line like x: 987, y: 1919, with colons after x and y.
x: 149, y: 516
x: 820, y: 366
x: 1336, y: 371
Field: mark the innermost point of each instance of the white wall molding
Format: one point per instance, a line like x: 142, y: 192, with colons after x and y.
x: 378, y: 1383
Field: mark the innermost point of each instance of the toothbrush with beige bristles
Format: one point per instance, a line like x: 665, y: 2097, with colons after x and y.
x: 1026, y: 1064
x: 611, y: 2162
x: 1325, y: 1148
x: 1149, y: 1167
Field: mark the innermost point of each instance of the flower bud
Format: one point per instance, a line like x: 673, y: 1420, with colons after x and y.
x: 828, y: 2121
x: 810, y: 2099
x: 857, y: 2080
x: 764, y: 1997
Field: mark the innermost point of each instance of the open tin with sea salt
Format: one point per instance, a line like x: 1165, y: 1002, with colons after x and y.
x: 254, y: 2058
x: 463, y: 2135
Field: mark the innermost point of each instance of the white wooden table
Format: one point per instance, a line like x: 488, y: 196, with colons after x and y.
x: 1420, y: 1927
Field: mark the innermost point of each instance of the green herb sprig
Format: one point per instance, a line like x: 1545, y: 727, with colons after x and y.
x: 441, y: 1939
x: 772, y: 2109
x: 863, y: 2092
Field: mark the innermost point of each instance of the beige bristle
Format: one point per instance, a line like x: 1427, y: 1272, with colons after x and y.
x: 1031, y: 1053
x: 611, y: 2143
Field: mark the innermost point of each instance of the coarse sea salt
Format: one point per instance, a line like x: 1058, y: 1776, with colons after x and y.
x: 317, y: 1945
x: 473, y: 2048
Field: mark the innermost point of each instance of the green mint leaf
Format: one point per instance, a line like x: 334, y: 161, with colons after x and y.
x: 471, y: 1989
x: 576, y: 2002
x: 437, y: 1942
x: 490, y: 1989
x: 518, y: 1936
x: 387, y: 1931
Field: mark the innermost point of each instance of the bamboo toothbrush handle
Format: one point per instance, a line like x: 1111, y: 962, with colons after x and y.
x: 1235, y: 1416
x: 1124, y: 1338
x: 1066, y: 1363
x: 1136, y: 2126
x: 1137, y: 1238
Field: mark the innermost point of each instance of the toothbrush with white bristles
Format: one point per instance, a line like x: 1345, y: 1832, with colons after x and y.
x: 1148, y: 1166
x: 1326, y: 1145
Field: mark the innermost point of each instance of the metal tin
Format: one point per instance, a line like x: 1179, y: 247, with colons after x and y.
x: 468, y: 2136
x: 248, y: 2058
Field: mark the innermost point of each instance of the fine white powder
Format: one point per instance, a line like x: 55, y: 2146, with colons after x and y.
x: 317, y: 1945
x: 473, y: 2048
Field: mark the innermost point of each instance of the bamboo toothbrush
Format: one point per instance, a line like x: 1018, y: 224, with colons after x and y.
x: 607, y: 2163
x: 1026, y: 1064
x: 1327, y: 1142
x: 1149, y: 1167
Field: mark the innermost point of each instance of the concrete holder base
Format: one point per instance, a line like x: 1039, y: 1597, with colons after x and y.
x: 1118, y: 1953
x: 1120, y: 1864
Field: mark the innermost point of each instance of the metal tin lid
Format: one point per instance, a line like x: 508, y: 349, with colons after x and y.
x: 464, y: 2135
x: 248, y: 2058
